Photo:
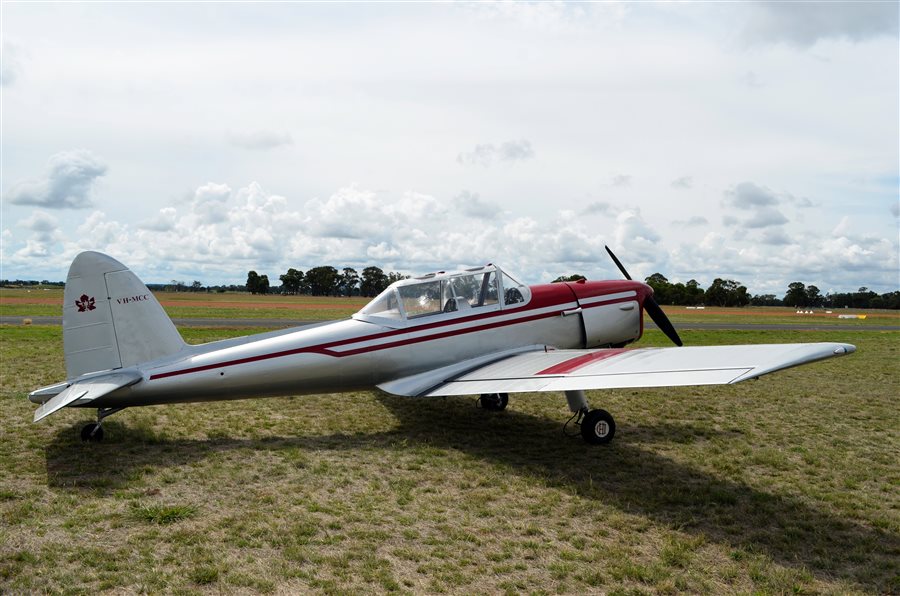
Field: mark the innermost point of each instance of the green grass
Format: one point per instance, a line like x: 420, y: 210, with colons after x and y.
x: 786, y: 484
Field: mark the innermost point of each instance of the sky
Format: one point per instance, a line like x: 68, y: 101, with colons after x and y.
x: 195, y: 141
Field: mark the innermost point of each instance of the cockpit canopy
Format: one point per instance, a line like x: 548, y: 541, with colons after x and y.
x: 462, y: 293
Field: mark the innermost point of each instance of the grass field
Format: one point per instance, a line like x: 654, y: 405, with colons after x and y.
x: 786, y: 484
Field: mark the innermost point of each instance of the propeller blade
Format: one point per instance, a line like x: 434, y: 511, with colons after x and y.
x: 617, y: 262
x: 651, y: 307
x: 662, y: 321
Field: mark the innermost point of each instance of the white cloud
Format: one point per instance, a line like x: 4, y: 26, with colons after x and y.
x: 692, y: 222
x: 765, y: 217
x: 488, y: 154
x: 259, y: 139
x: 776, y: 236
x: 163, y: 222
x: 40, y: 221
x: 471, y: 204
x: 67, y: 184
x: 802, y: 24
x: 748, y: 195
x: 600, y: 208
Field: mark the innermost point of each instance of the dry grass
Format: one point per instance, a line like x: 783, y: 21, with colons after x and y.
x: 787, y: 484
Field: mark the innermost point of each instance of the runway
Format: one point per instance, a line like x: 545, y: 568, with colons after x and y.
x: 284, y: 323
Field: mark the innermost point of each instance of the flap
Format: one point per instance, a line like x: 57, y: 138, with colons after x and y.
x: 567, y: 370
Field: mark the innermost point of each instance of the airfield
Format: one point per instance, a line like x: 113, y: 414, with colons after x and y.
x: 785, y: 484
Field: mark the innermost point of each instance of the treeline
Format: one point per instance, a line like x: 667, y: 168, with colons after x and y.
x: 326, y: 281
x: 728, y: 292
x: 21, y: 283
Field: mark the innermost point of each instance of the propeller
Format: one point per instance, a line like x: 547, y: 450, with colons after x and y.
x: 651, y: 307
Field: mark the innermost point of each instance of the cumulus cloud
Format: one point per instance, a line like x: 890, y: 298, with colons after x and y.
x: 776, y: 237
x: 262, y: 140
x: 163, y: 222
x: 489, y: 154
x: 802, y: 24
x: 692, y: 222
x: 67, y: 184
x: 45, y: 234
x: 760, y: 201
x: 748, y: 195
x: 682, y: 182
x: 765, y: 217
x: 471, y: 204
x: 600, y: 208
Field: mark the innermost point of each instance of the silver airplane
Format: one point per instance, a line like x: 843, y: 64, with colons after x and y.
x: 472, y: 332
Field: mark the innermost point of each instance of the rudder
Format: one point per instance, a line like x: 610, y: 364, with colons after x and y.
x: 110, y: 318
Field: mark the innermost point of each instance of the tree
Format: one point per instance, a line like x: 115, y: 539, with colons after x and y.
x: 694, y: 294
x: 292, y: 281
x: 253, y: 282
x: 661, y: 288
x: 765, y: 300
x: 373, y: 281
x: 395, y: 276
x: 323, y: 280
x: 196, y: 286
x: 564, y: 278
x: 348, y: 281
x: 796, y: 295
x: 262, y: 287
x: 727, y: 292
x: 814, y: 297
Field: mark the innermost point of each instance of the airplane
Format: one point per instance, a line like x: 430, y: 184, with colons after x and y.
x: 477, y: 331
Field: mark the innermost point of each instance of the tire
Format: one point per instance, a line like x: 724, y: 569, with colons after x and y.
x: 494, y: 402
x: 598, y: 427
x: 88, y: 429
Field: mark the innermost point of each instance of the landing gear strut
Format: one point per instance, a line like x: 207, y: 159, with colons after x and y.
x: 597, y: 426
x: 493, y: 401
x: 93, y: 431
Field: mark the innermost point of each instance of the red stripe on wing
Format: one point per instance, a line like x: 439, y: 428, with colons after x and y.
x: 573, y: 364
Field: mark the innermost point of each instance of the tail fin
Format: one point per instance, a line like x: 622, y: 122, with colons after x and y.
x: 110, y: 318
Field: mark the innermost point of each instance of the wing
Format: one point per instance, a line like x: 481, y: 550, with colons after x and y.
x: 566, y: 370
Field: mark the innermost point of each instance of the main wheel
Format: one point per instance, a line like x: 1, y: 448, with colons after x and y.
x: 598, y: 427
x: 494, y: 401
x: 92, y: 432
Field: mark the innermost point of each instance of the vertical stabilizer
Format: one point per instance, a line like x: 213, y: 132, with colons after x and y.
x: 110, y: 318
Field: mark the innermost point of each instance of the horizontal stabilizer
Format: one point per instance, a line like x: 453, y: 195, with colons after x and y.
x: 87, y: 390
x: 568, y: 370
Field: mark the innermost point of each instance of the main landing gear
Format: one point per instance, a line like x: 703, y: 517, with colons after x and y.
x: 494, y: 402
x: 93, y: 431
x: 597, y: 426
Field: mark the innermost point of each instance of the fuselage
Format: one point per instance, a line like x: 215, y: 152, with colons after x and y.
x: 363, y: 352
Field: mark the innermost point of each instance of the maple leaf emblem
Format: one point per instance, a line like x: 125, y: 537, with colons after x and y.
x: 86, y: 303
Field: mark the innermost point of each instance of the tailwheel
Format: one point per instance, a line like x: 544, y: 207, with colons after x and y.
x: 494, y: 402
x: 92, y: 432
x: 598, y: 427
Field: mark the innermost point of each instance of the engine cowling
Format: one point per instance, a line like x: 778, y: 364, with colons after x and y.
x: 611, y: 311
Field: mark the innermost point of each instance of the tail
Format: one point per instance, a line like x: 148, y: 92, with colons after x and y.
x: 110, y: 319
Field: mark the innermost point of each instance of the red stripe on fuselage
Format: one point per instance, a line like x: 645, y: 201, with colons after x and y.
x: 543, y: 296
x: 573, y: 364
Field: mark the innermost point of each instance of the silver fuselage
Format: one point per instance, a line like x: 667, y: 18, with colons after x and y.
x: 356, y: 354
